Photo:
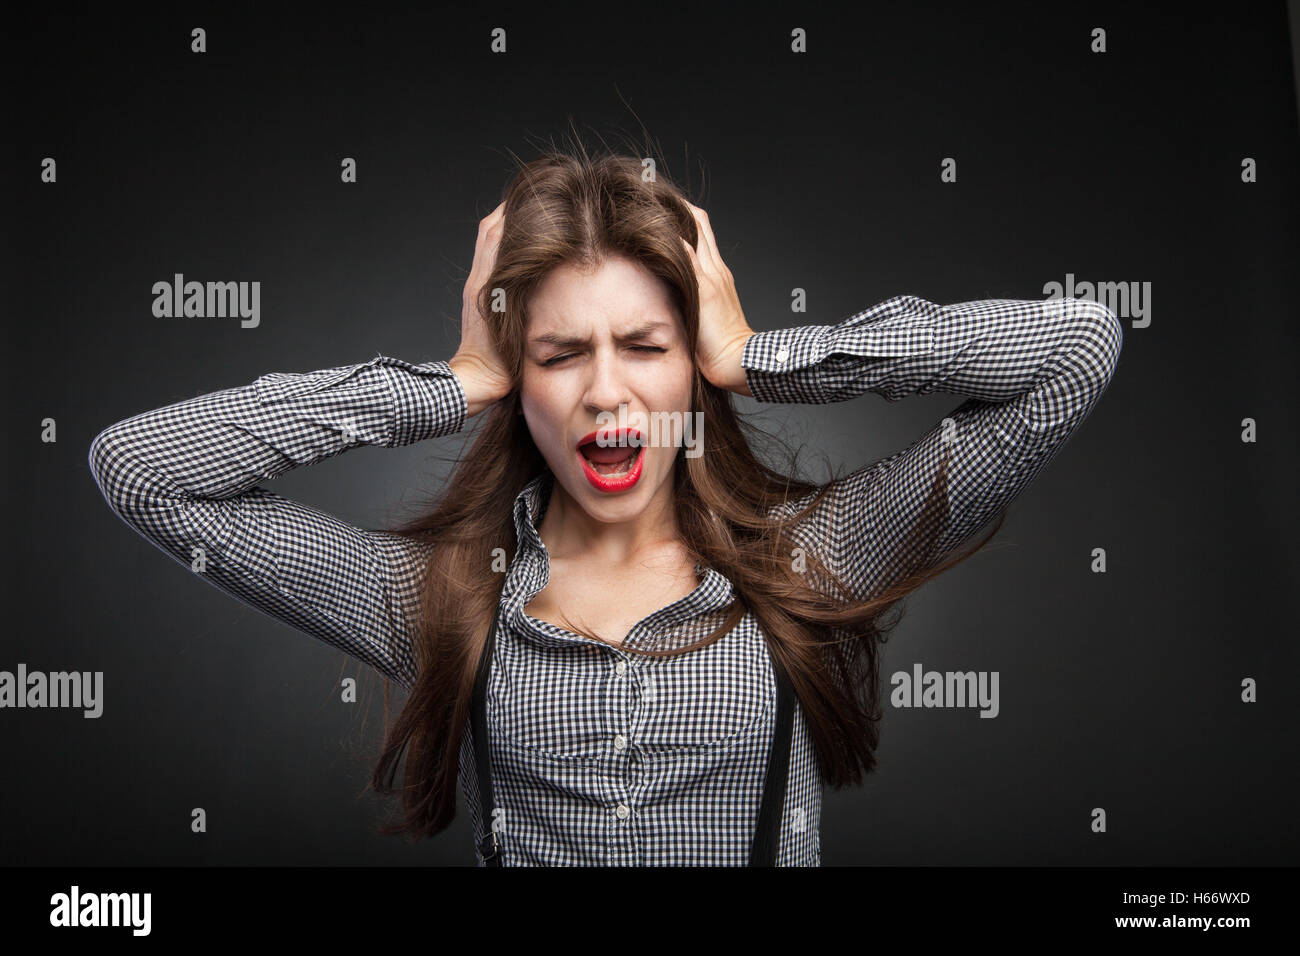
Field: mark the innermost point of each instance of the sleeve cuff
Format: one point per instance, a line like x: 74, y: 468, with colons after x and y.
x: 781, y: 364
x: 428, y: 400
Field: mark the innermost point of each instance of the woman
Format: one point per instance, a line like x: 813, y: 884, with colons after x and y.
x: 634, y: 631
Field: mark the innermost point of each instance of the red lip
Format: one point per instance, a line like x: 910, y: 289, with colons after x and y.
x: 625, y: 437
x: 618, y: 437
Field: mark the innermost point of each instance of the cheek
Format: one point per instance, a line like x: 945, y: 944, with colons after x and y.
x: 542, y: 414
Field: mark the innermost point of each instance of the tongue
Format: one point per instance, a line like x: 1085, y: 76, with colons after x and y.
x: 610, y: 455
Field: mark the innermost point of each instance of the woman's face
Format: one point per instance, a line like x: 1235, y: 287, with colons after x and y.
x: 596, y: 341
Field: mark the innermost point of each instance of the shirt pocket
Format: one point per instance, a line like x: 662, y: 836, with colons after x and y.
x: 712, y: 699
x: 548, y: 700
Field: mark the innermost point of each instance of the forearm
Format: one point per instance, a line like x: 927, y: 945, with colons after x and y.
x: 993, y: 350
x: 222, y: 443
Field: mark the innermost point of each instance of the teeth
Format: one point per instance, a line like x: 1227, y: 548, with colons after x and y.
x: 603, y: 471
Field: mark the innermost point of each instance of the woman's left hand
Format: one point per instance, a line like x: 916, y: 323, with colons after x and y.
x: 723, y: 329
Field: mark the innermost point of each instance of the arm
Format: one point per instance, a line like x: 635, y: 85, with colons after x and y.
x: 185, y: 476
x: 1031, y: 370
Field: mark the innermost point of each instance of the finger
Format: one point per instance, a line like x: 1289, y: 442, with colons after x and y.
x: 490, y: 225
x: 707, y: 252
x: 697, y: 254
x: 710, y: 242
x: 702, y: 275
x: 490, y: 229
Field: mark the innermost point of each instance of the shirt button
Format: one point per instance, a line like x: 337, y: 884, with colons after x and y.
x: 782, y: 354
x: 620, y: 742
x: 622, y: 811
x: 620, y: 668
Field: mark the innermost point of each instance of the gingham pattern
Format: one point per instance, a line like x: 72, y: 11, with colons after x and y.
x: 1031, y: 370
x: 599, y: 756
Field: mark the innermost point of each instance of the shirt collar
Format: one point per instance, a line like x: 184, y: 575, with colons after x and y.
x: 529, y: 505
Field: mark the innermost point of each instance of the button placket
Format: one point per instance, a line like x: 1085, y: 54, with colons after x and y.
x: 619, y: 851
x: 619, y: 771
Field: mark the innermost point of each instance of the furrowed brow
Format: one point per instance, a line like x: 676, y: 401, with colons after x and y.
x: 570, y: 341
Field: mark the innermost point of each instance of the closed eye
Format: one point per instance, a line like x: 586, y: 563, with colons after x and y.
x: 635, y: 348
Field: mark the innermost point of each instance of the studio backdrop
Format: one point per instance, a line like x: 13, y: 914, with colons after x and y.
x: 1129, y: 628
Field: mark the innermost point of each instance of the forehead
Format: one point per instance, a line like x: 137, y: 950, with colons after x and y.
x: 616, y: 295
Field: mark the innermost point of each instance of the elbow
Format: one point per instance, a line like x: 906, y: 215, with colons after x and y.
x: 122, y: 462
x: 104, y: 461
x: 1099, y: 339
x: 126, y: 483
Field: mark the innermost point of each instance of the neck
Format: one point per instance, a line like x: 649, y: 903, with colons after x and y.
x: 570, y: 533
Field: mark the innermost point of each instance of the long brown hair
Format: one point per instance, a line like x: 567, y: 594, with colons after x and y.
x: 735, y: 513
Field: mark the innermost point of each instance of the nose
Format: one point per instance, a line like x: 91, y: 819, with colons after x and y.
x: 607, y: 386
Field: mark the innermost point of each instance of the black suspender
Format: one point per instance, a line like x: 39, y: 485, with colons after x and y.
x: 489, y: 846
x: 767, y: 834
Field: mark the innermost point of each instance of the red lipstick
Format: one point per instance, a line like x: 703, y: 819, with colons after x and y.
x: 620, y: 444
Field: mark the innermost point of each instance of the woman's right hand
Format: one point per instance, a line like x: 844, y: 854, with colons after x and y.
x: 476, y: 362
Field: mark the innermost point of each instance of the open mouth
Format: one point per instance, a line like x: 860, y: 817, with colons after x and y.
x: 599, y: 460
x: 614, y: 467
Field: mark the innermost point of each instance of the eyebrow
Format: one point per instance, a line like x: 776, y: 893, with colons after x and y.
x: 571, y: 341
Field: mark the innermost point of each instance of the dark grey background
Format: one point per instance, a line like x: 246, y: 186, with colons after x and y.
x: 1118, y: 690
